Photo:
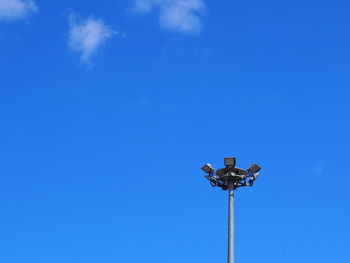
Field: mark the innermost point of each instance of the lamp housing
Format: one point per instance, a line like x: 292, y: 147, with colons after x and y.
x: 230, y: 161
x: 208, y: 168
x: 254, y: 168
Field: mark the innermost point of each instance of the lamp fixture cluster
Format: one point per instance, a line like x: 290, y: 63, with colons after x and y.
x: 231, y: 174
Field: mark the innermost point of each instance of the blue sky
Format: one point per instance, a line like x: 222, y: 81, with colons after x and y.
x: 108, y: 110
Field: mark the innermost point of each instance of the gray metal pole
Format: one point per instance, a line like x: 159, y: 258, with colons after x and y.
x: 231, y: 227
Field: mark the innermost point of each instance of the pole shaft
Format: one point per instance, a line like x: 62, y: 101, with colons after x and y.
x: 231, y: 226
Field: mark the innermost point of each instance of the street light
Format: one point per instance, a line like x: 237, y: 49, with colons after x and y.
x: 230, y: 178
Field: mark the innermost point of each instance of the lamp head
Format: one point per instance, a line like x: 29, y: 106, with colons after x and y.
x: 230, y: 161
x: 254, y: 168
x: 207, y: 168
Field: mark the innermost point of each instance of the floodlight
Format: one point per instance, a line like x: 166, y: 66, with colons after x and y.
x: 208, y: 168
x: 254, y: 168
x: 230, y: 161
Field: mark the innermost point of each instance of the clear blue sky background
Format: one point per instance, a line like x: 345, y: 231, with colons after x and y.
x: 101, y: 163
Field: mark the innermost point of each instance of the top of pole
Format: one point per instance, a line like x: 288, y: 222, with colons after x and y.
x: 231, y: 174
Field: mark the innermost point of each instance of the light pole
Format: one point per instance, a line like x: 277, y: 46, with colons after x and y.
x: 230, y: 178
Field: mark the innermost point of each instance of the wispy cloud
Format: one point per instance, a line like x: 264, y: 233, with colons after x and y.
x: 175, y: 15
x: 87, y: 36
x: 11, y: 10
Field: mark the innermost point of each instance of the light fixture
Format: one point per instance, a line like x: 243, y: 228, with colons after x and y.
x: 254, y: 168
x: 231, y: 161
x: 208, y: 168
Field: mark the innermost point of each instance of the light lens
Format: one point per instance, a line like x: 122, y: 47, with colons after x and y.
x: 254, y: 168
x: 207, y: 168
x: 231, y: 161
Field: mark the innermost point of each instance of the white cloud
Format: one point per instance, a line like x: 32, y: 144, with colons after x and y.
x: 175, y: 15
x: 87, y: 36
x: 11, y: 10
x: 145, y: 6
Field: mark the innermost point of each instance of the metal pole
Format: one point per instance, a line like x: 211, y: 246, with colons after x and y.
x: 231, y: 226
